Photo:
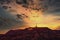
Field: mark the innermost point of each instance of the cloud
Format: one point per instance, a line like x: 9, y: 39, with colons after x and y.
x: 47, y: 6
x: 8, y: 21
x: 53, y: 7
x: 44, y: 5
x: 50, y: 6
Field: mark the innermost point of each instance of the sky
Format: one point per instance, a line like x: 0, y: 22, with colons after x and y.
x: 16, y: 14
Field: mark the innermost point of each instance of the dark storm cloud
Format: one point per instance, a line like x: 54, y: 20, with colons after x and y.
x: 7, y: 20
x: 53, y: 7
x: 24, y: 3
x: 55, y: 4
x: 5, y: 1
x: 21, y: 1
x: 48, y: 6
x: 45, y: 5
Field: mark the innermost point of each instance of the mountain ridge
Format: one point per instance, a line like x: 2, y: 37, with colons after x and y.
x: 32, y: 34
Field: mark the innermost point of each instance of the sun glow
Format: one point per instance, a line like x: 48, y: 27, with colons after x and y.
x: 36, y: 18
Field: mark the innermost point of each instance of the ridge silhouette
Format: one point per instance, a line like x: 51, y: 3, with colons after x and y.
x: 36, y: 33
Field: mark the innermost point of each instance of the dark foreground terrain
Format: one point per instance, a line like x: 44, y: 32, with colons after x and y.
x: 31, y: 34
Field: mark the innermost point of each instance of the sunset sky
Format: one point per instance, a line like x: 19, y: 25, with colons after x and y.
x: 20, y: 14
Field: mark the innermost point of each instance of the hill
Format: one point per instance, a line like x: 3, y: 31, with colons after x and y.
x: 32, y: 34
